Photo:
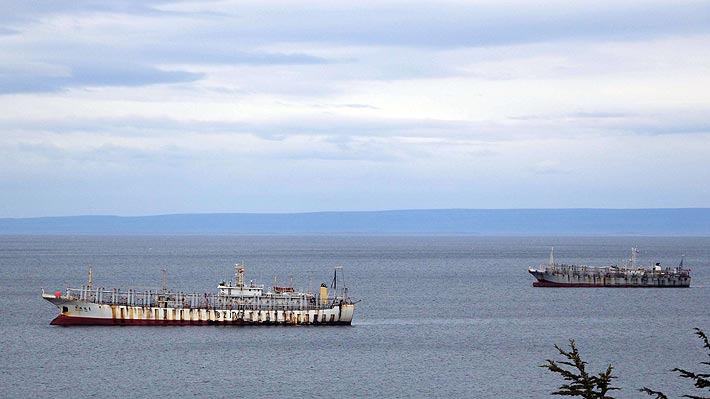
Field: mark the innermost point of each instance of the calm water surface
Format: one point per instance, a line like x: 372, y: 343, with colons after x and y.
x: 453, y: 317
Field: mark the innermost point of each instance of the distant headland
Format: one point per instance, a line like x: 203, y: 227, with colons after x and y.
x: 481, y: 222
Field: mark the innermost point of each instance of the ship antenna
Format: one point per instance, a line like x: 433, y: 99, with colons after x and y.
x: 310, y: 280
x: 334, y: 284
x: 240, y: 274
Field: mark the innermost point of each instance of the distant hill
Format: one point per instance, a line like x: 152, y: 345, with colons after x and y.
x: 646, y: 222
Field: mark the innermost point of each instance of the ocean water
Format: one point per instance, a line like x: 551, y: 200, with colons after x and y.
x: 453, y: 317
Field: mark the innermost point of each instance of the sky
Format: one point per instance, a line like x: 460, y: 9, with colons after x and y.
x: 110, y: 107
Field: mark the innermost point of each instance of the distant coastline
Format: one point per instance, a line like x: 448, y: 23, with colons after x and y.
x: 480, y: 222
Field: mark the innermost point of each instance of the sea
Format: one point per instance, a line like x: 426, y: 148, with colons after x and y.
x: 438, y: 317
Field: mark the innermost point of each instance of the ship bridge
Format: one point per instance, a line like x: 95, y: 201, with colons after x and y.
x: 240, y: 289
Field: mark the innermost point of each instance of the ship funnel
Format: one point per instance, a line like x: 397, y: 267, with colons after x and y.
x: 323, y: 294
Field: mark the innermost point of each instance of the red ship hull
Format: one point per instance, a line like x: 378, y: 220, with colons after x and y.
x: 568, y: 285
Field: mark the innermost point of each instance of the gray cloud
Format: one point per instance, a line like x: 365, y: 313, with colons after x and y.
x: 101, y: 155
x: 91, y: 75
x: 23, y: 11
x: 220, y: 53
x: 424, y: 24
x: 7, y: 31
x: 104, y: 57
x: 113, y: 71
x: 219, y: 34
x: 326, y: 126
x: 300, y: 101
x: 691, y: 120
x: 417, y: 24
x: 351, y: 136
x: 127, y: 75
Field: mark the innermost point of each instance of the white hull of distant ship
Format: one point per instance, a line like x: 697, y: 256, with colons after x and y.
x: 235, y: 303
x: 562, y: 275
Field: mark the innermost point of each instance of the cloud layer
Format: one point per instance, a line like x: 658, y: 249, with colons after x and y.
x: 161, y: 107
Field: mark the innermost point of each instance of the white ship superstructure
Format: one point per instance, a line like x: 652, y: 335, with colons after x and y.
x: 235, y: 303
x: 563, y: 275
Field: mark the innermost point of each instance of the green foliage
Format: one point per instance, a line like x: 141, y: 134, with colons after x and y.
x: 657, y: 394
x: 580, y: 383
x: 700, y: 380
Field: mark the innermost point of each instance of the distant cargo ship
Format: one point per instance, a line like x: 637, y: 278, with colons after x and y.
x: 562, y: 275
x: 236, y: 303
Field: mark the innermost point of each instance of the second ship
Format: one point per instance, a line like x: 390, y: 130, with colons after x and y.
x: 563, y: 275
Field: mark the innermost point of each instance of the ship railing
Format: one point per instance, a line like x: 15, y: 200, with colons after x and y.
x: 612, y: 271
x: 168, y: 299
x: 563, y: 268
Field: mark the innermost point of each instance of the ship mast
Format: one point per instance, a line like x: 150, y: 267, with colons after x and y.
x: 90, y: 276
x: 240, y: 274
x: 334, y: 284
x: 634, y: 251
x: 165, y: 279
x: 552, y: 256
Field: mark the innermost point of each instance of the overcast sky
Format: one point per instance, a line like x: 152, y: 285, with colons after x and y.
x: 162, y: 107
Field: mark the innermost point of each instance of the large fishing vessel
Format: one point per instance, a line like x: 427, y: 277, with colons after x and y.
x: 562, y: 275
x: 235, y: 303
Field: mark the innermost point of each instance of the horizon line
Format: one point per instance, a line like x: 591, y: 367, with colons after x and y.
x: 351, y: 211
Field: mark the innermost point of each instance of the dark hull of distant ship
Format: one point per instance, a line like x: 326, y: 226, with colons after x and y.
x: 588, y: 285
